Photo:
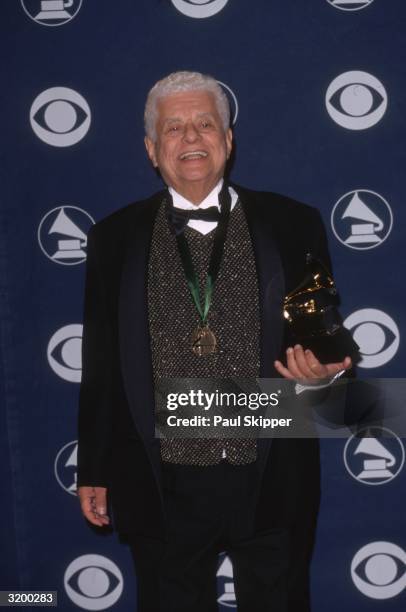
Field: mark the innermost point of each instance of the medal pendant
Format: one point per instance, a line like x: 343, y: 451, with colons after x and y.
x: 203, y: 341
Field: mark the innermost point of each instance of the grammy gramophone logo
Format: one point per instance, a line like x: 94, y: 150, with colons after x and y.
x: 374, y: 456
x: 225, y: 584
x: 361, y: 219
x: 62, y: 234
x: 51, y: 12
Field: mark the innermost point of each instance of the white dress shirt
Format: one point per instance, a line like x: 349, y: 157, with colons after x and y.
x: 204, y: 227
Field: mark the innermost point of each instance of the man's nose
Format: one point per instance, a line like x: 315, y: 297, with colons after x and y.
x: 191, y: 134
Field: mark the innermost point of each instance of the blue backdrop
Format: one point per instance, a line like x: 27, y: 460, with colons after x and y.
x: 318, y: 96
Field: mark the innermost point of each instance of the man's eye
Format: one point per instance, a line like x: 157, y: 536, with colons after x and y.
x: 206, y: 124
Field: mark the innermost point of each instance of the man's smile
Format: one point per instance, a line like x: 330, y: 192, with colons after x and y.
x: 197, y: 154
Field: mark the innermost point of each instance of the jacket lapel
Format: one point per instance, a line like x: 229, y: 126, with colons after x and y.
x: 135, y: 348
x: 271, y: 283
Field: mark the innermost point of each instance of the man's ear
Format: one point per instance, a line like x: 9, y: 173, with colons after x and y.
x: 151, y: 150
x: 229, y: 142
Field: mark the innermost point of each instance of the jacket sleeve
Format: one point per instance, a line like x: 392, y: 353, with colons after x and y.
x: 95, y: 396
x: 321, y: 244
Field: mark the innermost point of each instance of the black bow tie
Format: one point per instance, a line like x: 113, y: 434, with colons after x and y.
x: 179, y: 217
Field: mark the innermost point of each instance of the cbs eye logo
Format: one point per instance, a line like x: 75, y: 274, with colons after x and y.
x: 60, y: 116
x: 93, y: 582
x: 350, y: 5
x: 377, y: 335
x: 378, y: 570
x: 199, y: 9
x: 232, y: 99
x: 64, y: 352
x: 356, y: 100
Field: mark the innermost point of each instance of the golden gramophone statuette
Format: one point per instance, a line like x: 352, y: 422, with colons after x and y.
x: 313, y: 318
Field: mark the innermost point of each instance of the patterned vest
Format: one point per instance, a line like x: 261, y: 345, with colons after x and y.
x: 233, y: 317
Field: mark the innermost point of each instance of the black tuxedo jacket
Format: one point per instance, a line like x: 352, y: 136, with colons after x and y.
x: 117, y: 447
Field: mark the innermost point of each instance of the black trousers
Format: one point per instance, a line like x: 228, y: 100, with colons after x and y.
x: 209, y: 510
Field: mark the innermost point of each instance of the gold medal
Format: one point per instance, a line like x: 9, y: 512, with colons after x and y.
x: 203, y: 341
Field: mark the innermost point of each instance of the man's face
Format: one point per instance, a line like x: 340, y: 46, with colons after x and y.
x: 191, y: 147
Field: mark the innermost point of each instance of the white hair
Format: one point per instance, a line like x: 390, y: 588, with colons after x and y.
x: 177, y: 82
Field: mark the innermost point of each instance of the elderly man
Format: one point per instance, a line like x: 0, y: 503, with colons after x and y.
x: 190, y: 283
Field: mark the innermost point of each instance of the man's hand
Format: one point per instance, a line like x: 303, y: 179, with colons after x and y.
x: 93, y: 501
x: 304, y: 365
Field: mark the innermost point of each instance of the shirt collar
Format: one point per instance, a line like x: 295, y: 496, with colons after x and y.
x: 212, y: 199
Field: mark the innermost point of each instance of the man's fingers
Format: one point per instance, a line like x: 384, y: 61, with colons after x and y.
x: 318, y: 369
x: 100, y: 500
x: 93, y: 501
x: 347, y: 363
x: 88, y: 510
x: 100, y: 504
x: 292, y: 371
x: 304, y: 365
x: 308, y: 365
x: 282, y: 370
x: 292, y: 364
x: 333, y: 368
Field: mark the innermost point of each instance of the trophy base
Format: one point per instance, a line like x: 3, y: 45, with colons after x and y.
x: 332, y: 348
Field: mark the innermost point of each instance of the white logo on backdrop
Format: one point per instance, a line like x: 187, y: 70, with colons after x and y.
x: 60, y: 116
x: 374, y: 455
x: 379, y: 570
x: 65, y: 466
x: 199, y: 9
x: 62, y: 234
x: 64, y: 352
x: 350, y: 5
x: 356, y: 100
x: 232, y: 98
x: 225, y: 584
x: 51, y: 12
x: 93, y: 582
x: 361, y: 219
x: 376, y: 334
